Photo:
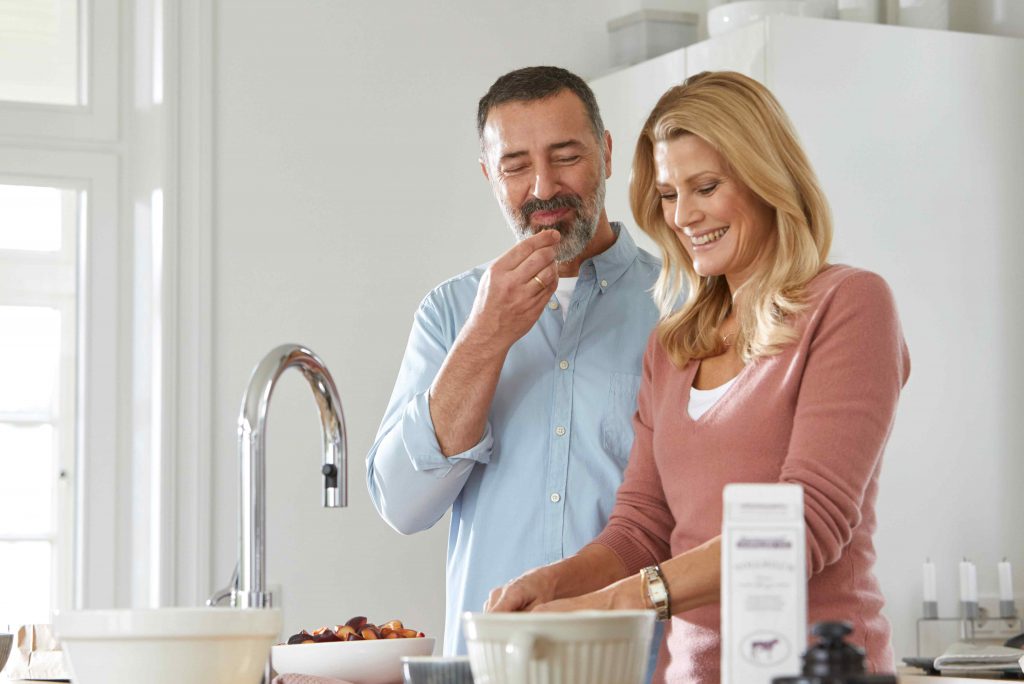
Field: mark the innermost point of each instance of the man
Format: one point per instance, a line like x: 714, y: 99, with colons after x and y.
x: 514, y: 401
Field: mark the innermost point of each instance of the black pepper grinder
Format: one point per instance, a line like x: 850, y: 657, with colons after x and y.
x: 834, y: 661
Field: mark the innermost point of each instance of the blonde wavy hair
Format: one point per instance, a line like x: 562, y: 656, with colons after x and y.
x: 744, y: 122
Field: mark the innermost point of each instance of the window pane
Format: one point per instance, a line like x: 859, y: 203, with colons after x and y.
x: 29, y: 359
x: 25, y: 582
x: 31, y: 217
x: 39, y: 51
x: 26, y: 479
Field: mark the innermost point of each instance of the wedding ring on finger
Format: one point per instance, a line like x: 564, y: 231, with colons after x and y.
x: 540, y: 282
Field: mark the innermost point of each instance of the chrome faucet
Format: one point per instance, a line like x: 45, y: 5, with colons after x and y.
x: 248, y: 586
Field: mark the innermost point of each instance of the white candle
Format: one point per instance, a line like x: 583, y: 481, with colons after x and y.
x: 928, y: 587
x: 1005, y: 581
x: 972, y: 585
x: 968, y: 582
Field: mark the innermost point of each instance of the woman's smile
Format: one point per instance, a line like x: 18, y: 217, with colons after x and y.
x: 708, y: 239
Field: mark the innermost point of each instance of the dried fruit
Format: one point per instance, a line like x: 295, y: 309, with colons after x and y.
x: 326, y: 637
x: 356, y: 623
x: 302, y: 637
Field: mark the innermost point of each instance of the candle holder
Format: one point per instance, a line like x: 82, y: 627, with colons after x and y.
x: 935, y: 634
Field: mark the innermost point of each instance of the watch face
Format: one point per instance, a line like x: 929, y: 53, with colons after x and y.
x: 657, y: 592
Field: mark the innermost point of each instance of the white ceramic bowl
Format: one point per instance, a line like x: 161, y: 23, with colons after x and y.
x: 733, y: 15
x: 167, y: 645
x: 376, y: 661
x: 584, y: 647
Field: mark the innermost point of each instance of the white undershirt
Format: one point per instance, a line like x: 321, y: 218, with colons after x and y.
x: 564, y: 294
x: 702, y: 400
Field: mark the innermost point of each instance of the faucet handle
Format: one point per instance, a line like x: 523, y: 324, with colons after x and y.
x: 224, y: 594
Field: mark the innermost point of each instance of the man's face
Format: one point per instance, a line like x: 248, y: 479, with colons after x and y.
x: 547, y: 169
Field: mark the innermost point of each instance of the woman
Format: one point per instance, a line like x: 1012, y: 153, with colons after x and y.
x: 778, y: 368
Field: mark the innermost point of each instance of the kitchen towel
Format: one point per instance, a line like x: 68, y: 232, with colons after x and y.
x: 965, y: 657
x: 306, y: 679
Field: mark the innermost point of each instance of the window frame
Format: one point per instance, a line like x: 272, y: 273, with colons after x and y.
x: 164, y: 141
x: 96, y: 119
x: 89, y: 579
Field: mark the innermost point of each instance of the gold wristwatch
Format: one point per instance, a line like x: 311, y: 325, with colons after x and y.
x: 656, y: 591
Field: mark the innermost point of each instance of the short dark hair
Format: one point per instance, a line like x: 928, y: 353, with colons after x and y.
x: 537, y: 83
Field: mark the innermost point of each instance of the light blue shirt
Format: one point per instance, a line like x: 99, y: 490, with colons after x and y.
x: 541, y: 482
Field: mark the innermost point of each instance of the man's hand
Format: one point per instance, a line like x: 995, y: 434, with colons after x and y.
x: 523, y: 593
x: 514, y: 290
x: 510, y: 299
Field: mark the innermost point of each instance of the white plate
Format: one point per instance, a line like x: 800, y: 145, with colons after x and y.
x: 376, y: 661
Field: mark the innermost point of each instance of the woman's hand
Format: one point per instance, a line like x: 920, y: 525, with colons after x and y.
x: 622, y: 595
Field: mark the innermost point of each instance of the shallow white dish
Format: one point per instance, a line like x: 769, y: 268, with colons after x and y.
x: 167, y: 645
x: 582, y: 647
x: 733, y: 15
x: 376, y: 661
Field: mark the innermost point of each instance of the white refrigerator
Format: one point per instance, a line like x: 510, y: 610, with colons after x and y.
x: 918, y: 139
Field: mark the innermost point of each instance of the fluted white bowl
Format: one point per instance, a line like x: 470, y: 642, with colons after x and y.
x: 583, y: 647
x: 167, y: 645
x: 375, y: 661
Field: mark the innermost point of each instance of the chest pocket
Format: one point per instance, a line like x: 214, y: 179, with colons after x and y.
x: 617, y: 419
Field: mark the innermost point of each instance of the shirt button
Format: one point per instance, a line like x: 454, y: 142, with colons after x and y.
x: 555, y: 498
x: 563, y: 364
x: 553, y: 304
x: 604, y: 283
x: 560, y: 431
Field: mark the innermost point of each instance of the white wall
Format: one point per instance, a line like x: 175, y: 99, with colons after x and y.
x: 346, y: 186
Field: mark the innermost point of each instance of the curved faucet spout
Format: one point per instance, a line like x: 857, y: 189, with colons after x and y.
x: 250, y: 589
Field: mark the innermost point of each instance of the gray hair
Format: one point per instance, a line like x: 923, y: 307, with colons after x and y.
x: 537, y: 83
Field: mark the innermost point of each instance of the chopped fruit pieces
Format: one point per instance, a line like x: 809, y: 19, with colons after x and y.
x: 356, y: 629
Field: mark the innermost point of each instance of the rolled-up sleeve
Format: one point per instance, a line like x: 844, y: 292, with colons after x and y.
x: 411, y: 483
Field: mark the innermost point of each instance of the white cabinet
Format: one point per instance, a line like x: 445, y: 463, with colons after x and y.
x: 918, y: 139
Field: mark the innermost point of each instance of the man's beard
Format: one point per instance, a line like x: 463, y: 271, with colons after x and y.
x: 576, y: 233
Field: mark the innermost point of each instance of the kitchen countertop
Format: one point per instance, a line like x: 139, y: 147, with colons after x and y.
x: 906, y: 676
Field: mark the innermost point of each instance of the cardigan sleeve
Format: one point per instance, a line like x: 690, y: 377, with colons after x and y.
x: 640, y: 525
x: 857, y: 363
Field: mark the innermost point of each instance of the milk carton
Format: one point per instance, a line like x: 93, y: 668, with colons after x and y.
x: 764, y: 582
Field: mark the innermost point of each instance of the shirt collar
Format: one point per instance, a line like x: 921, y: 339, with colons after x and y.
x: 610, y: 264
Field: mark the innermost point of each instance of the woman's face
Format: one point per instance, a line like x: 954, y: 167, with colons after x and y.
x: 723, y: 226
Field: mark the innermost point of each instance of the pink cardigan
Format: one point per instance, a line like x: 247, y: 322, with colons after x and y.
x: 817, y: 414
